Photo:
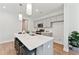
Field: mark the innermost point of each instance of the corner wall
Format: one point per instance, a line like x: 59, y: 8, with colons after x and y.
x: 71, y: 21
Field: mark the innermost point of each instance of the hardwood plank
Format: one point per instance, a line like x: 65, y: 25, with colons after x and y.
x: 8, y: 49
x: 58, y: 50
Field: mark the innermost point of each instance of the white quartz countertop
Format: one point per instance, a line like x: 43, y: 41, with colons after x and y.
x: 32, y: 42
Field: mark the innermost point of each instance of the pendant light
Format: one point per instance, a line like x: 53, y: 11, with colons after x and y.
x: 29, y: 9
x: 20, y: 16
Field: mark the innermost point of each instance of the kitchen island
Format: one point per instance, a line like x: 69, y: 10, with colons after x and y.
x: 40, y: 44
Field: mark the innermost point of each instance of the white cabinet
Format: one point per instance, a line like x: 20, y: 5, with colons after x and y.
x: 53, y: 19
x: 47, y: 34
x: 46, y: 49
x: 60, y: 17
x: 37, y: 22
x: 46, y: 23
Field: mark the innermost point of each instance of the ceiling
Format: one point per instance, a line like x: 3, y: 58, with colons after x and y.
x: 38, y: 9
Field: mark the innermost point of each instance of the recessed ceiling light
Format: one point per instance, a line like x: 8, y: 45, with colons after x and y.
x: 4, y: 7
x: 36, y: 10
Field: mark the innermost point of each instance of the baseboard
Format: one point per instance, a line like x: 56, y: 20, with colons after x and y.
x: 6, y: 41
x: 66, y: 49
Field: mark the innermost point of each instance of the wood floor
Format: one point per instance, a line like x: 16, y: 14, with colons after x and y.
x: 58, y: 50
x: 8, y: 49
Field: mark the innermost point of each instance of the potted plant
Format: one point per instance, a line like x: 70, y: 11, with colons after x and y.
x: 74, y: 40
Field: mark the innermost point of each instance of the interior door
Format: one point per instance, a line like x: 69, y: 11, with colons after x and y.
x: 24, y: 25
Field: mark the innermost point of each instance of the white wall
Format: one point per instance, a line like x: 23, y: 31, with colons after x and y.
x: 71, y: 21
x: 9, y: 24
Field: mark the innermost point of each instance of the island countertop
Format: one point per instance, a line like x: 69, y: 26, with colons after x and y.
x: 32, y: 42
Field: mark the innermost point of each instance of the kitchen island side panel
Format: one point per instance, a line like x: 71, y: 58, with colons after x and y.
x: 46, y: 49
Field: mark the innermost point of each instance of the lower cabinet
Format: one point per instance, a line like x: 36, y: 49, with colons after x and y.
x: 17, y: 46
x: 21, y: 49
x: 46, y: 49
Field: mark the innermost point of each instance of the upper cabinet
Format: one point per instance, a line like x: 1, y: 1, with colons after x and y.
x: 38, y: 22
x: 60, y: 17
x: 53, y: 19
x: 47, y: 22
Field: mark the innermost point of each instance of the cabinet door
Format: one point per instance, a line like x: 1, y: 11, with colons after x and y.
x: 46, y: 23
x: 60, y: 17
x: 53, y: 19
x: 46, y: 49
x: 38, y: 22
x: 17, y: 46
